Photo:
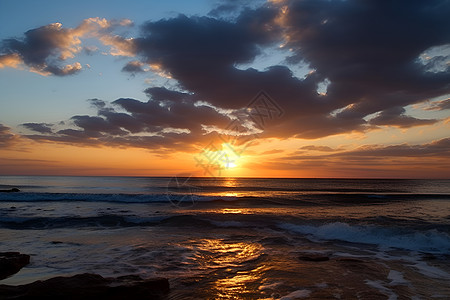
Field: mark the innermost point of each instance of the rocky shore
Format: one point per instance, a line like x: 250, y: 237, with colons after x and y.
x: 81, y: 286
x: 11, y: 263
x: 13, y: 190
x: 89, y: 286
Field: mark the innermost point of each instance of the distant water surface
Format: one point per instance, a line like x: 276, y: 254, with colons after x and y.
x: 236, y: 238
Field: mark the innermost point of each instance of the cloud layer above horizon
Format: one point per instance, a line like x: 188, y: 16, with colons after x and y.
x: 367, y: 62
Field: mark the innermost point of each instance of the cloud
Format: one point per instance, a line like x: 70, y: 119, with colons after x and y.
x: 133, y: 67
x: 39, y: 127
x: 375, y: 160
x: 373, y: 70
x: 232, y: 7
x: 440, y: 105
x: 274, y: 151
x: 7, y: 138
x: 371, y: 67
x: 45, y: 49
x: 438, y: 148
x: 318, y: 148
x: 159, y: 123
x: 395, y: 117
x: 10, y: 60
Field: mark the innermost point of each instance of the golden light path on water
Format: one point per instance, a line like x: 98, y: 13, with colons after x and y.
x: 217, y: 254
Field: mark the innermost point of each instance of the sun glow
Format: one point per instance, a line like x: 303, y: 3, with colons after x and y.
x: 226, y: 157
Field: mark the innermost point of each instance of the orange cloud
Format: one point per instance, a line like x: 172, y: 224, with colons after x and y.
x: 44, y: 49
x: 10, y: 60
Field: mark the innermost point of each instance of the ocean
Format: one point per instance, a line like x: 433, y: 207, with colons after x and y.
x: 236, y: 238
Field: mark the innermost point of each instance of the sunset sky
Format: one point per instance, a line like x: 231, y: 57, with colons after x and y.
x: 225, y: 88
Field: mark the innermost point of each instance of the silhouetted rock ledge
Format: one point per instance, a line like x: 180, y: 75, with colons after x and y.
x: 11, y: 263
x: 313, y: 257
x: 13, y: 190
x: 89, y: 286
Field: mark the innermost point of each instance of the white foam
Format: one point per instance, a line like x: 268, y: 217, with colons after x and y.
x: 297, y: 294
x: 384, y: 290
x: 427, y: 241
x: 397, y: 278
x: 431, y: 271
x: 269, y: 286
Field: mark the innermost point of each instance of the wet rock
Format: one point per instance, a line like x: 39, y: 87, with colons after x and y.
x: 89, y: 286
x: 11, y: 263
x: 313, y: 257
x: 13, y: 190
x: 349, y: 260
x: 428, y: 256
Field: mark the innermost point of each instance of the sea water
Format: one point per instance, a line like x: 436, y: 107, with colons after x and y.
x: 236, y: 238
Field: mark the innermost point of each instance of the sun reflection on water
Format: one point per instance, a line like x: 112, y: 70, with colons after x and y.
x: 230, y: 182
x: 227, y: 194
x: 232, y: 211
x: 244, y: 284
x: 236, y: 264
x: 214, y: 253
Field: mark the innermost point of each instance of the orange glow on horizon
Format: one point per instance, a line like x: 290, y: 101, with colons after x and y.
x: 271, y: 158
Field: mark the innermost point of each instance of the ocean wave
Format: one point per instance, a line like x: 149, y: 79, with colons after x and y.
x: 74, y: 222
x: 430, y: 240
x: 177, y: 198
x: 124, y: 198
x: 111, y: 220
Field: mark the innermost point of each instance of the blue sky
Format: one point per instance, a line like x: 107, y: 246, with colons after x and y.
x: 28, y: 96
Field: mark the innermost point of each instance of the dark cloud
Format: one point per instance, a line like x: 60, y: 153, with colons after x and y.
x: 155, y: 124
x: 133, y: 67
x: 438, y: 148
x: 402, y: 160
x: 368, y: 51
x: 198, y: 45
x: 45, y: 49
x: 227, y: 8
x: 95, y: 126
x: 440, y: 105
x: 41, y: 49
x: 7, y: 138
x: 43, y: 128
x: 395, y: 117
x: 164, y: 94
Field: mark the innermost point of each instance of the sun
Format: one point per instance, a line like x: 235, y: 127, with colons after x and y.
x: 225, y: 157
x: 230, y: 165
x: 228, y: 157
x: 223, y: 160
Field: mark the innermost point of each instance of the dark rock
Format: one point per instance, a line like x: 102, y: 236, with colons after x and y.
x: 11, y: 263
x: 89, y: 286
x: 313, y: 257
x: 13, y: 190
x: 350, y: 260
x: 428, y: 256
